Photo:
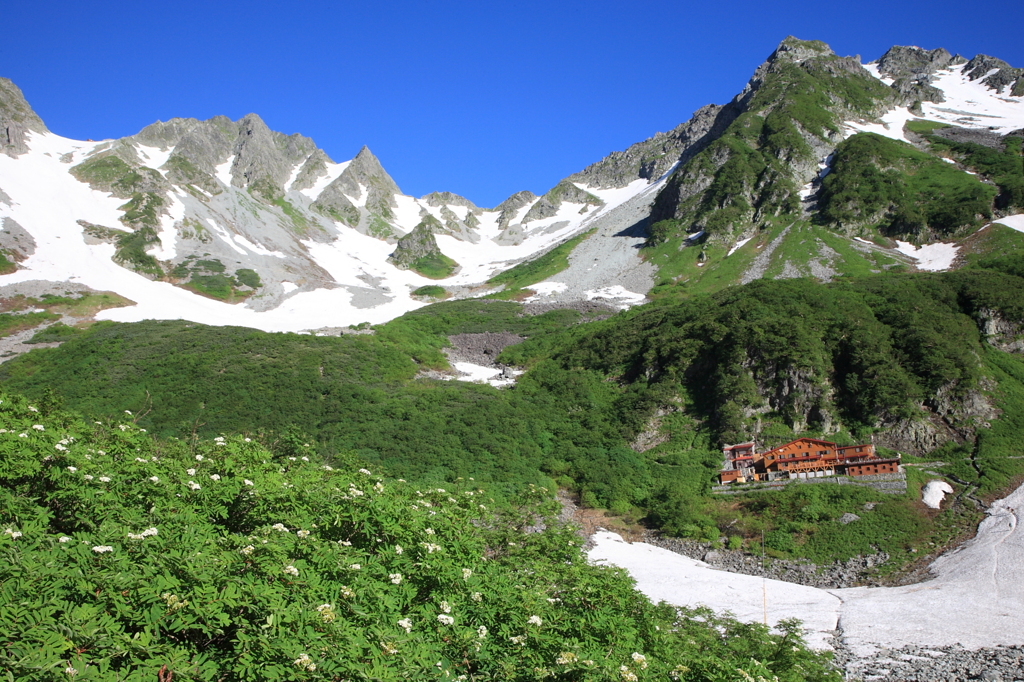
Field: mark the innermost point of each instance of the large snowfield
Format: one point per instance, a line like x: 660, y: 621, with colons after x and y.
x: 975, y: 599
x: 47, y: 201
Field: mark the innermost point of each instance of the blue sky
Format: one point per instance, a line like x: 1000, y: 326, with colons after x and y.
x: 479, y: 98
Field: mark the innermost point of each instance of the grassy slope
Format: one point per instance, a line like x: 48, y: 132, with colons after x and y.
x: 231, y: 558
x: 538, y: 269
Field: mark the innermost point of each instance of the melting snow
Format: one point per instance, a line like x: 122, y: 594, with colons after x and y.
x: 739, y: 245
x: 1014, y: 222
x: 622, y: 296
x: 223, y: 171
x: 333, y: 171
x: 932, y: 257
x: 934, y: 492
x: 975, y: 600
x: 153, y: 157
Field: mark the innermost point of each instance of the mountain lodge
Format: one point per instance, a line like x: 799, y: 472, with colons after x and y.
x: 802, y: 458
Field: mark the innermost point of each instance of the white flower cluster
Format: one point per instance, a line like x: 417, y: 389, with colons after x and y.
x: 174, y: 603
x: 247, y: 550
x: 481, y: 631
x: 640, y: 660
x: 102, y: 549
x: 326, y: 612
x: 406, y: 624
x: 193, y: 485
x: 431, y: 547
x: 143, y: 535
x: 626, y: 674
x: 396, y: 578
x: 214, y: 477
x: 279, y: 527
x: 534, y: 620
x: 566, y: 658
x: 304, y: 662
x: 303, y: 534
x: 346, y: 592
x: 291, y: 570
x: 446, y: 607
x: 13, y: 533
x: 466, y: 572
x: 445, y: 619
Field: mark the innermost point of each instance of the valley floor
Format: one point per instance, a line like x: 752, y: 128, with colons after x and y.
x: 974, y: 601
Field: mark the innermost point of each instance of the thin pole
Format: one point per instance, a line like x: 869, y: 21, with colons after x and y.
x: 764, y: 582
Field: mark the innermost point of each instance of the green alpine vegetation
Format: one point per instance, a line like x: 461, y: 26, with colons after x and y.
x: 1000, y: 160
x: 746, y: 175
x: 127, y: 557
x: 210, y: 278
x: 628, y: 412
x: 537, y: 269
x: 877, y: 182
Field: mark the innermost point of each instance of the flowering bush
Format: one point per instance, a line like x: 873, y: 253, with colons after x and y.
x: 216, y: 586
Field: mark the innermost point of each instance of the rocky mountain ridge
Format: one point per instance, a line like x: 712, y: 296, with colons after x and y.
x: 238, y: 196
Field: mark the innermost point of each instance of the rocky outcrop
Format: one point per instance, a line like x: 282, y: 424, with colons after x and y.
x: 199, y: 147
x: 263, y: 159
x: 17, y: 119
x: 1000, y: 332
x: 912, y: 68
x: 363, y: 175
x: 510, y: 207
x: 15, y: 241
x: 314, y: 168
x: 995, y: 73
x: 744, y: 170
x: 652, y: 158
x: 447, y: 199
x: 547, y: 206
x: 419, y: 243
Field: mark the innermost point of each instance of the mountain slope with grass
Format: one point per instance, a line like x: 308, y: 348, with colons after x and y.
x: 127, y: 556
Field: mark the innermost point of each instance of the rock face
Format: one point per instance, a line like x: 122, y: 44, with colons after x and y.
x: 16, y: 119
x: 911, y: 69
x: 653, y: 157
x: 419, y: 243
x: 719, y: 190
x: 564, y: 191
x: 1004, y: 76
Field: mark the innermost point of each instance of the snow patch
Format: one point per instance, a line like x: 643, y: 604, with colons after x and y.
x: 737, y: 246
x: 223, y: 171
x: 976, y: 598
x: 289, y: 287
x: 932, y: 257
x: 891, y: 125
x: 153, y: 157
x: 333, y: 171
x: 664, y: 575
x: 933, y: 493
x: 1014, y: 222
x: 482, y: 375
x: 167, y: 248
x: 544, y: 289
x: 622, y: 296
